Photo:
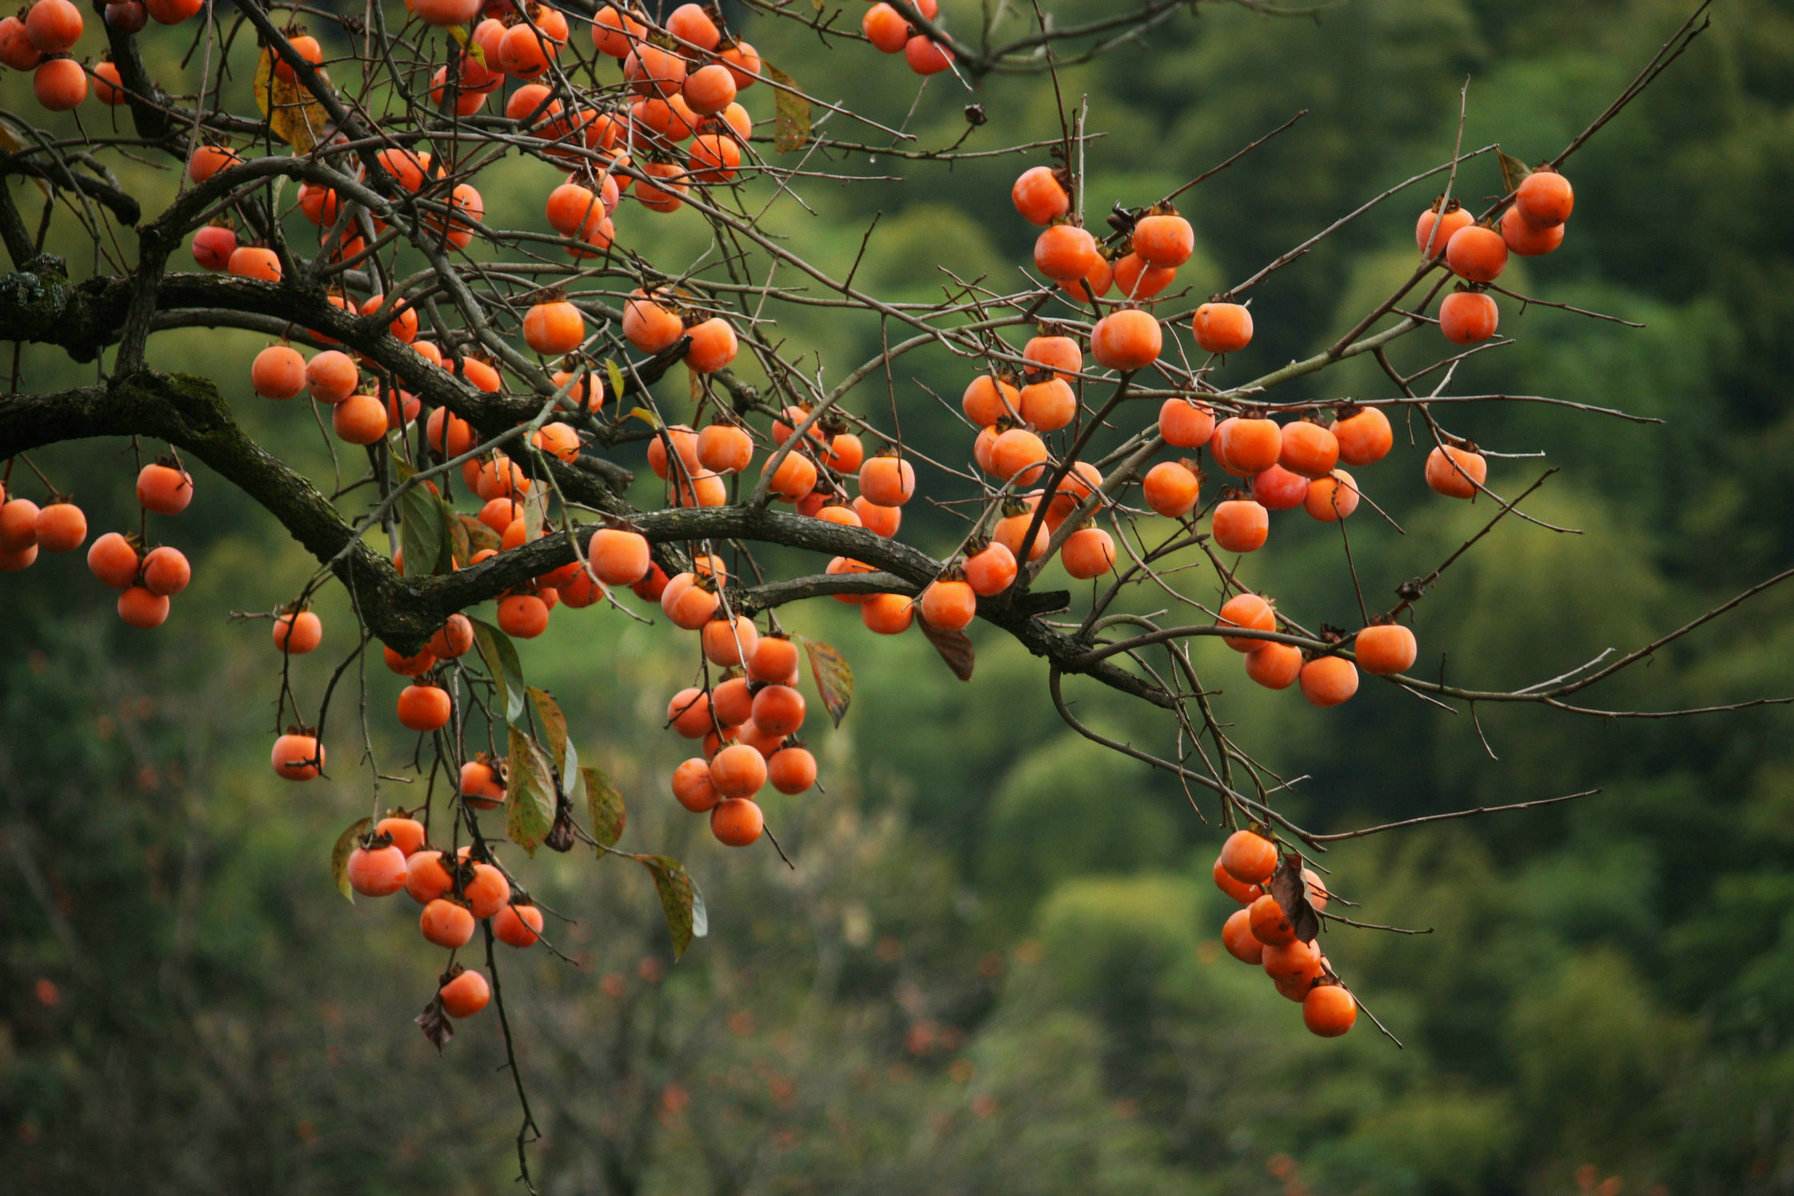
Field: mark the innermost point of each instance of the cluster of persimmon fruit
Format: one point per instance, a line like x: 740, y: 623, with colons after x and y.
x: 891, y: 32
x: 457, y: 891
x: 40, y: 39
x: 1531, y: 226
x: 1263, y: 932
x: 145, y: 577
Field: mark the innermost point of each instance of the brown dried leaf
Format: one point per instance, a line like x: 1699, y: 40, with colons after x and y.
x: 955, y: 648
x: 293, y: 112
x: 790, y: 111
x: 833, y: 675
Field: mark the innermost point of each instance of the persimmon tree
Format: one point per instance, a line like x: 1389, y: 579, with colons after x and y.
x: 494, y: 391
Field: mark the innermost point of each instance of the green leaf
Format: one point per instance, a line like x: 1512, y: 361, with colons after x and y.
x: 604, y: 806
x: 339, y: 854
x: 423, y: 531
x: 833, y: 675
x: 561, y: 751
x: 680, y: 901
x: 645, y: 415
x: 615, y: 373
x: 790, y: 111
x: 529, y: 793
x: 500, y: 657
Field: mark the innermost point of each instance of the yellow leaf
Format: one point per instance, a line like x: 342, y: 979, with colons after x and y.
x: 293, y: 112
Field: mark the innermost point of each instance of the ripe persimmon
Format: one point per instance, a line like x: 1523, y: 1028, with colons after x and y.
x: 1274, y: 666
x: 1249, y: 612
x: 1333, y: 497
x: 887, y: 479
x: 1270, y: 924
x: 59, y: 84
x: 278, y: 372
x: 737, y: 821
x: 428, y: 875
x: 424, y: 707
x: 446, y: 923
x: 486, y: 891
x: 360, y: 419
x: 297, y: 756
x: 113, y: 560
x: 888, y: 614
x: 990, y: 570
x: 1126, y: 340
x: 1170, y: 489
x: 1064, y: 252
x: 1456, y: 472
x: 713, y: 345
x: 298, y: 632
x: 517, y: 926
x: 1037, y: 193
x: 737, y: 771
x: 791, y: 770
x: 1241, y: 892
x: 1249, y: 857
x: 1237, y: 937
x: 1277, y: 489
x: 522, y: 616
x: 1545, y: 198
x: 692, y: 786
x: 727, y: 641
x: 1329, y: 1010
x: 1364, y: 436
x: 1088, y: 552
x: 481, y: 785
x: 688, y: 713
x: 1385, y: 649
x: 255, y: 262
x: 927, y: 56
x: 164, y: 489
x: 53, y: 26
x: 1476, y: 253
x: 166, y: 571
x: 1525, y: 238
x: 1222, y: 327
x: 376, y: 871
x: 1293, y: 962
x: 1329, y: 680
x: 59, y: 527
x: 466, y: 994
x: 773, y: 661
x: 1308, y: 449
x: 1240, y: 525
x: 407, y: 834
x: 1466, y: 317
x: 779, y: 709
x: 1164, y: 239
x: 453, y: 638
x: 1185, y: 423
x: 1453, y: 219
x: 948, y: 604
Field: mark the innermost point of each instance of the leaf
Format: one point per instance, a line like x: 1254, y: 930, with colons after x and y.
x: 955, y: 648
x: 423, y: 531
x: 833, y: 675
x: 535, y: 511
x: 1512, y: 170
x: 339, y: 855
x: 604, y: 805
x: 614, y: 372
x: 434, y: 1022
x: 680, y: 901
x: 529, y: 793
x: 500, y: 657
x: 475, y: 535
x: 646, y: 416
x: 561, y: 752
x: 293, y: 113
x: 1292, y: 895
x: 790, y: 111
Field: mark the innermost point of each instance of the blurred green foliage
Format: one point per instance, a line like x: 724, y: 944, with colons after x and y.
x: 996, y: 966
